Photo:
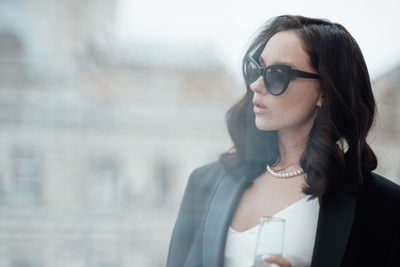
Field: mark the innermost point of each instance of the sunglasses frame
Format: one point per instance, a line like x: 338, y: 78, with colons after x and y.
x: 289, y: 73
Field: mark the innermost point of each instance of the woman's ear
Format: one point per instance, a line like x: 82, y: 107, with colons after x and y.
x: 319, y: 102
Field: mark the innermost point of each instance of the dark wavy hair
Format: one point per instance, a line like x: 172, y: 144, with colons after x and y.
x: 336, y: 152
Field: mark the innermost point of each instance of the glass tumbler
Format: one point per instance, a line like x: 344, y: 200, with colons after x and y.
x: 270, y: 240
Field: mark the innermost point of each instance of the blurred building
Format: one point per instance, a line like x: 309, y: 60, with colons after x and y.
x: 97, y: 138
x: 386, y: 138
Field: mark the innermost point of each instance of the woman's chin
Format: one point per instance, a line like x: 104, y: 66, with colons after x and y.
x: 264, y: 126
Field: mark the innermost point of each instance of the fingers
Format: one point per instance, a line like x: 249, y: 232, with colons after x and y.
x: 282, y: 262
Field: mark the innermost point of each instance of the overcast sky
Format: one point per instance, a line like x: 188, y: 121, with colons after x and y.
x: 228, y: 25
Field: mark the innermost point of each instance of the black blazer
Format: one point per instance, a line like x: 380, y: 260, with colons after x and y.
x: 353, y: 229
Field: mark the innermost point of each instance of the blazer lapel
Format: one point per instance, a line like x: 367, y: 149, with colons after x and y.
x: 333, y: 230
x: 221, y: 210
x: 335, y: 220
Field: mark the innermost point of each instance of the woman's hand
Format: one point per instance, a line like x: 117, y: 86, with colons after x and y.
x: 282, y: 262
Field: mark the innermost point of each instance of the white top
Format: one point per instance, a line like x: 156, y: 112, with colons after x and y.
x: 300, y: 230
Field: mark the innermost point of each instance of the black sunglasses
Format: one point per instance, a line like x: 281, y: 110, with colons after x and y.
x: 276, y: 77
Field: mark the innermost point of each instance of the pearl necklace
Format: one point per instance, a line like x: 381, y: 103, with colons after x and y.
x: 284, y: 174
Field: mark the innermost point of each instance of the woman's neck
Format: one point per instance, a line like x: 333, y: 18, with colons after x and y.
x: 292, y: 143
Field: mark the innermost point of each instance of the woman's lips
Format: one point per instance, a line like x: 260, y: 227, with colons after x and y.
x: 259, y: 107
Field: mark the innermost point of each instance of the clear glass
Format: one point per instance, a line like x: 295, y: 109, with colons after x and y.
x: 270, y: 240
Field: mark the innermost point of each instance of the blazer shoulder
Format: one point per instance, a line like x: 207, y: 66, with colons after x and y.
x: 384, y: 187
x: 207, y: 174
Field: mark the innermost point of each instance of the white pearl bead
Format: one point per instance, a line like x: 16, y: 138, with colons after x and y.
x: 284, y: 175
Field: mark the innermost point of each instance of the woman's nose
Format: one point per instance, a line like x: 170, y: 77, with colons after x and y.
x: 258, y: 86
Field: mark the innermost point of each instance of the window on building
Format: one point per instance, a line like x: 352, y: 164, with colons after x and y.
x: 23, y: 258
x: 12, y: 64
x: 24, y: 180
x: 19, y: 262
x: 103, y: 186
x: 163, y: 173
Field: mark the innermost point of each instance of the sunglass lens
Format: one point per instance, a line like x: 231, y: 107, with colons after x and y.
x: 275, y: 80
x: 252, y: 72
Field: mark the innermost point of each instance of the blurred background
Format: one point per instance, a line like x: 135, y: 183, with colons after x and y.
x: 107, y: 106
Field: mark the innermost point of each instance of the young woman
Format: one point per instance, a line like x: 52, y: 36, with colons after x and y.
x: 300, y: 153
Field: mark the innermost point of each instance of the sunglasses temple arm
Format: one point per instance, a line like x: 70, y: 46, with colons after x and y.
x: 304, y: 74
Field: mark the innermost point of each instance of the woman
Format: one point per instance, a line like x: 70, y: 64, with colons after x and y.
x: 300, y: 153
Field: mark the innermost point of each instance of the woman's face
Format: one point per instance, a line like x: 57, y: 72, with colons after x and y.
x: 296, y: 107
